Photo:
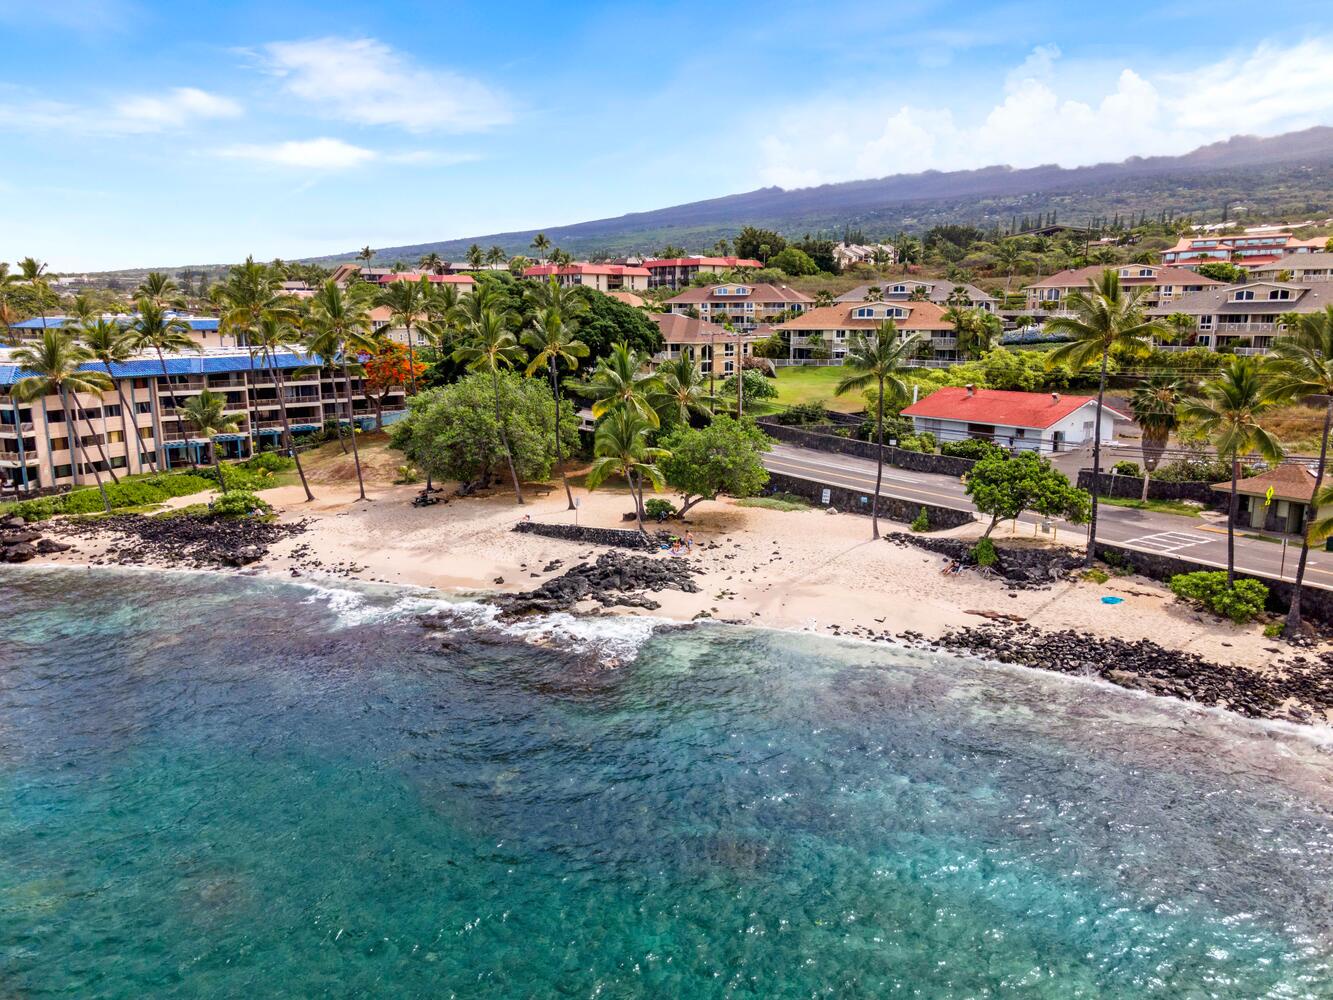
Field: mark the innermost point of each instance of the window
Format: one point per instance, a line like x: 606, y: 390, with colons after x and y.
x: 64, y: 471
x: 143, y: 407
x: 865, y: 312
x: 59, y: 444
x: 112, y: 410
x: 145, y: 433
x: 1205, y: 322
x: 1280, y: 293
x: 1244, y: 295
x: 1145, y: 272
x: 728, y: 367
x: 55, y: 416
x: 115, y: 437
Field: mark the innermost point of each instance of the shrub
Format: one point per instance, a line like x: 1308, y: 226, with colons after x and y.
x: 984, y: 553
x: 801, y: 414
x: 36, y: 509
x: 407, y: 474
x: 269, y: 461
x: 1273, y: 631
x: 1209, y: 588
x: 136, y: 492
x: 659, y: 509
x: 973, y: 448
x: 776, y: 502
x: 1096, y: 575
x: 1125, y: 468
x: 238, y: 503
x: 924, y: 442
x: 922, y: 522
x: 757, y: 385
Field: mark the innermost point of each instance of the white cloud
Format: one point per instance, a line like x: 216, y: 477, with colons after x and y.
x: 364, y: 81
x: 132, y: 115
x: 335, y: 154
x: 1269, y: 90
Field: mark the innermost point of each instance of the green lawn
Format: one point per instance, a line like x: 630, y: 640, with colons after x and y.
x: 1160, y: 506
x: 817, y: 384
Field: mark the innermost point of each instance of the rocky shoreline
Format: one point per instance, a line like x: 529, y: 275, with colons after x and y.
x: 20, y: 543
x: 184, y: 541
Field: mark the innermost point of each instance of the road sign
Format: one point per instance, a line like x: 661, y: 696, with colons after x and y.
x: 1268, y: 496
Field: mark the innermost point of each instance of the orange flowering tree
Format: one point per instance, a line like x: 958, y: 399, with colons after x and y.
x: 386, y: 368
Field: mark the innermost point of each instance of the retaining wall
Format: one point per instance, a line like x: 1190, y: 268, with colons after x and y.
x: 914, y: 461
x: 1131, y: 488
x: 617, y: 537
x: 858, y: 502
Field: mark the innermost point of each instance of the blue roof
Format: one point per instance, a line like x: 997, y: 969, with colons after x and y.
x: 205, y: 323
x: 202, y: 364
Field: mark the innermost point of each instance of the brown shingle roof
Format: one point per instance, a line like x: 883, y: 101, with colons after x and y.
x: 920, y: 316
x: 1289, y: 482
x: 678, y: 328
x: 1078, y: 277
x: 758, y: 293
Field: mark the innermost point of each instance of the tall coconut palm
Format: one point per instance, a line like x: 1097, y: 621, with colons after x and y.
x: 250, y: 292
x: 682, y: 393
x: 878, y: 360
x: 620, y: 447
x: 1229, y: 409
x: 1105, y: 318
x: 340, y: 327
x: 495, y: 255
x: 552, y: 340
x: 475, y: 257
x: 107, y: 343
x: 492, y: 350
x: 159, y: 289
x: 1302, y: 365
x: 406, y: 302
x: 154, y: 330
x: 56, y: 363
x: 365, y: 255
x: 432, y: 262
x: 620, y: 381
x: 34, y: 273
x: 275, y: 333
x: 823, y: 298
x: 82, y: 310
x: 1155, y: 405
x: 1008, y: 255
x: 541, y: 244
x: 206, y: 414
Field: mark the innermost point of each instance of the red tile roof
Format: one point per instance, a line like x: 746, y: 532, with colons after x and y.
x: 446, y: 279
x: 1037, y: 410
x: 542, y: 270
x: 706, y: 261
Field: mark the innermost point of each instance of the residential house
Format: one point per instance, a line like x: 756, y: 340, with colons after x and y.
x: 851, y: 254
x: 602, y: 277
x: 828, y: 331
x: 1304, y: 266
x: 1028, y: 421
x: 744, y: 306
x: 677, y: 272
x: 714, y: 347
x: 940, y: 292
x: 141, y: 421
x: 1245, y: 318
x: 1160, y: 284
x: 1284, y: 509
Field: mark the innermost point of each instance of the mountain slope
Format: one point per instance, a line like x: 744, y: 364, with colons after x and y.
x: 1286, y: 173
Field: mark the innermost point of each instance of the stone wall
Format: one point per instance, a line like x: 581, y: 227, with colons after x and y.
x: 617, y: 537
x: 1316, y: 602
x: 858, y: 502
x: 913, y: 461
x: 1131, y: 488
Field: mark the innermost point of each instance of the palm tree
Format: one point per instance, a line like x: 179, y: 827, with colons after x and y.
x: 552, y: 338
x: 1180, y: 326
x: 154, y: 329
x: 1302, y: 365
x: 406, y: 301
x: 275, y: 333
x: 1155, y: 404
x: 682, y: 392
x: 83, y: 309
x: 206, y: 413
x: 365, y: 254
x: 495, y: 255
x: 1007, y: 257
x: 340, y: 322
x: 494, y: 348
x: 541, y: 244
x: 1229, y: 409
x: 1105, y: 318
x: 432, y: 262
x: 33, y: 272
x: 620, y: 447
x: 878, y: 361
x: 823, y: 298
x: 159, y: 289
x: 620, y: 382
x: 874, y: 294
x: 475, y: 257
x: 56, y: 365
x: 107, y: 343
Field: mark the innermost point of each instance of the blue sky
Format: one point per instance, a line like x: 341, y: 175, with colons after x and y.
x: 143, y: 133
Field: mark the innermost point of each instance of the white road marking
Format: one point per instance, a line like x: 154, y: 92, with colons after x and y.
x: 1168, y: 541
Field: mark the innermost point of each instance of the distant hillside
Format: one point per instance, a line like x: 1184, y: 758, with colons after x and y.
x: 1286, y: 175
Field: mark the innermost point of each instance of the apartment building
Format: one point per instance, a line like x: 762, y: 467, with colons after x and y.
x: 830, y: 330
x: 677, y: 272
x: 943, y: 293
x: 1248, y: 250
x: 1246, y: 318
x: 715, y: 348
x: 203, y: 330
x: 602, y: 277
x: 1316, y: 266
x: 138, y: 421
x: 851, y: 254
x: 1160, y: 284
x: 345, y: 274
x: 744, y: 306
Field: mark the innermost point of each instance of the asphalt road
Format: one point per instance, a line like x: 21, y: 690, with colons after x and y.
x: 1193, y: 538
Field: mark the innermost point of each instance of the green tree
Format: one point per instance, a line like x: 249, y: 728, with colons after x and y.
x: 1180, y: 327
x: 758, y: 244
x: 552, y: 339
x: 541, y: 244
x: 493, y: 349
x: 107, y: 344
x: 1229, y: 410
x: 365, y: 255
x: 339, y: 329
x: 607, y: 322
x: 161, y: 290
x: 683, y: 391
x: 793, y: 262
x: 273, y: 333
x: 1008, y: 255
x: 878, y: 361
x: 1005, y: 486
x: 1302, y: 366
x: 1221, y: 270
x: 620, y: 447
x: 154, y: 330
x: 406, y: 302
x: 206, y: 414
x: 475, y: 257
x: 38, y: 280
x: 621, y: 382
x: 722, y: 459
x: 495, y: 255
x: 56, y: 363
x: 431, y: 262
x: 1155, y: 404
x: 1105, y: 318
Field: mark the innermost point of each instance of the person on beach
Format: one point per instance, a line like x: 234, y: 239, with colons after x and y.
x: 689, y: 543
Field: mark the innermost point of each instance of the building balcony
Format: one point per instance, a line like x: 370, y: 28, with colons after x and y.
x: 1266, y: 329
x: 13, y: 430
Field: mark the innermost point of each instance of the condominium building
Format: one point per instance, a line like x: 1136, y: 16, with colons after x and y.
x: 602, y: 277
x: 203, y: 330
x: 1317, y: 266
x: 1248, y: 250
x: 743, y: 306
x: 943, y: 293
x: 677, y: 272
x: 345, y: 274
x: 139, y: 420
x: 830, y: 330
x: 1160, y: 284
x: 1246, y: 318
x: 715, y: 348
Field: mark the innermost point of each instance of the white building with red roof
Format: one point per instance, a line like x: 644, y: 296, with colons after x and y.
x: 602, y: 277
x: 677, y: 272
x: 1045, y: 422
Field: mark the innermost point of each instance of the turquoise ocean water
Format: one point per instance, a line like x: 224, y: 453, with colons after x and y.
x: 222, y: 787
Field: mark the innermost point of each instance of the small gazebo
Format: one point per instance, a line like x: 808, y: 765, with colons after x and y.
x: 1275, y: 500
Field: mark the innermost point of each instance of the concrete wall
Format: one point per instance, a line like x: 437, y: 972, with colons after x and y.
x: 857, y: 502
x: 1131, y: 488
x: 914, y: 461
